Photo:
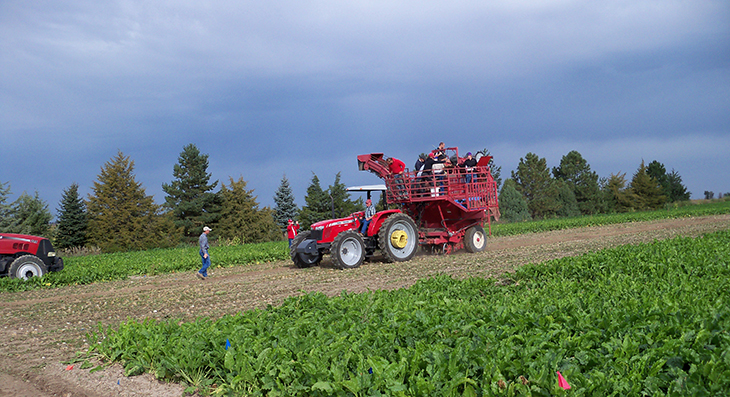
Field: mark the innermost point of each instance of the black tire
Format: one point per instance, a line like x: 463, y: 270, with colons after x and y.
x: 348, y: 250
x: 398, y: 238
x: 27, y: 266
x: 475, y: 240
x: 299, y: 260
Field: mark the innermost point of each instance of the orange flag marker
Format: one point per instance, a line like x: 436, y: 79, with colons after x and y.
x: 70, y: 367
x: 562, y: 382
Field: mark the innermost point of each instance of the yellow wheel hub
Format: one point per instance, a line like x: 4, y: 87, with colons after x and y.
x: 399, y: 239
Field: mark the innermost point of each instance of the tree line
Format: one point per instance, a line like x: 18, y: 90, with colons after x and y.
x: 118, y: 215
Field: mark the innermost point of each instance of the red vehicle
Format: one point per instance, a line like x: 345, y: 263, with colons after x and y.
x: 23, y: 256
x: 441, y: 211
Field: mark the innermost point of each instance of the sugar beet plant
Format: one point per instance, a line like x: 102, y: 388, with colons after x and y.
x: 651, y: 319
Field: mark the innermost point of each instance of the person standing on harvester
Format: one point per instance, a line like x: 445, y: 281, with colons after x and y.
x: 203, y: 243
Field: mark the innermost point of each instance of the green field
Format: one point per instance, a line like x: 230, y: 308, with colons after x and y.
x: 119, y: 266
x: 651, y: 319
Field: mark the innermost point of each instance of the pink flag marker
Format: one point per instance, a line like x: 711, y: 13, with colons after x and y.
x: 70, y: 367
x: 562, y: 382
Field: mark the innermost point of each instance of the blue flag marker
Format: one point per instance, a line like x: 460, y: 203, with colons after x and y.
x: 228, y: 344
x: 370, y: 370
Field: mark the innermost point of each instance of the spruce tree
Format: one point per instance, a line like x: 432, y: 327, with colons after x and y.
x: 619, y: 197
x: 537, y: 186
x: 343, y: 204
x: 72, y: 219
x: 190, y: 195
x: 566, y: 198
x: 317, y: 205
x: 574, y: 170
x: 241, y: 218
x: 5, y: 210
x: 657, y: 171
x: 284, y: 208
x: 677, y: 191
x: 512, y: 205
x: 648, y: 192
x: 121, y: 215
x: 30, y: 215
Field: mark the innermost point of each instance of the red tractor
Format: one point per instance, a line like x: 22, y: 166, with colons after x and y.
x: 23, y: 256
x: 440, y: 210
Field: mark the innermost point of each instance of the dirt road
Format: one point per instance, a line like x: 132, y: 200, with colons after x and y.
x: 41, y: 329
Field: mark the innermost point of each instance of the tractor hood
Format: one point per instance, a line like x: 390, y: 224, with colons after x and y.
x: 337, y: 222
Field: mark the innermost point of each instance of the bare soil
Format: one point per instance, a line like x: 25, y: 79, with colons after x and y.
x: 40, y: 330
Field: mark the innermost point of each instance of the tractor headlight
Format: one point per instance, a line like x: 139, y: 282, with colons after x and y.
x: 51, y: 253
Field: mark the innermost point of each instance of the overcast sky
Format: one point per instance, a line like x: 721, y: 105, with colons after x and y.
x: 274, y: 88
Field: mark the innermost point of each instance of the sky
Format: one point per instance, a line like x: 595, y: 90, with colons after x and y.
x: 273, y: 89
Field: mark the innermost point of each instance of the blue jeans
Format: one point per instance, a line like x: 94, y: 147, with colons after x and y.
x: 364, y: 227
x: 206, y: 264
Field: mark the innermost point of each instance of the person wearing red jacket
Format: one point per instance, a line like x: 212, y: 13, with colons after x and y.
x: 396, y: 167
x: 291, y: 230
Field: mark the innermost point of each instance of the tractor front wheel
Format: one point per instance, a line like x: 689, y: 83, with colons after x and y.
x: 348, y: 250
x: 300, y: 260
x: 398, y: 238
x: 27, y: 266
x: 475, y: 240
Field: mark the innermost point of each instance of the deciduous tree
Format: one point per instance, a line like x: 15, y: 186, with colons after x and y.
x: 190, y: 195
x: 72, y: 219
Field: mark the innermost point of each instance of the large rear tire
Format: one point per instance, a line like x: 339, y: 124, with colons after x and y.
x: 27, y: 266
x: 348, y: 250
x: 302, y: 261
x: 398, y: 238
x: 474, y: 239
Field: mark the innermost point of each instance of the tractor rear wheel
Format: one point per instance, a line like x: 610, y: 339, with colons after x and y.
x: 475, y: 240
x: 398, y: 238
x: 348, y: 250
x: 27, y: 266
x: 302, y: 261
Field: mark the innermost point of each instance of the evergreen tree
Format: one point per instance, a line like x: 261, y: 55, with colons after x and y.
x: 284, y: 208
x: 574, y: 170
x: 5, y: 210
x: 657, y: 171
x: 121, y: 215
x: 495, y: 170
x: 677, y: 191
x: 317, y: 205
x: 340, y: 197
x: 241, y: 217
x: 512, y: 204
x: 566, y: 199
x: 533, y: 180
x: 189, y: 195
x: 72, y: 220
x: 647, y: 190
x: 619, y: 197
x: 30, y: 215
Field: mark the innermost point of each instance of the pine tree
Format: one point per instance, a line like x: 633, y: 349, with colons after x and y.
x: 121, y: 216
x: 284, y: 208
x: 657, y: 171
x: 512, y: 204
x: 241, y: 218
x: 647, y: 190
x: 343, y: 204
x: 677, y: 191
x: 5, y: 210
x: 317, y: 205
x: 537, y: 186
x: 574, y: 170
x: 72, y: 220
x: 566, y: 199
x: 619, y: 197
x: 30, y: 215
x: 189, y: 195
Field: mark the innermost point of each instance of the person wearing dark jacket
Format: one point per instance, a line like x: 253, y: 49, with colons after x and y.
x: 468, y: 164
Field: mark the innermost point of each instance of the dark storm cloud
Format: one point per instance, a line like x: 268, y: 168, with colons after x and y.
x: 268, y: 89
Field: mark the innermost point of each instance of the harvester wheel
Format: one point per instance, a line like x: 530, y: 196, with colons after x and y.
x: 27, y: 266
x: 398, y: 238
x: 475, y: 240
x: 348, y: 250
x: 302, y: 261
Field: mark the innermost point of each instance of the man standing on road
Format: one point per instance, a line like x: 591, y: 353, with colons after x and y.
x: 203, y: 243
